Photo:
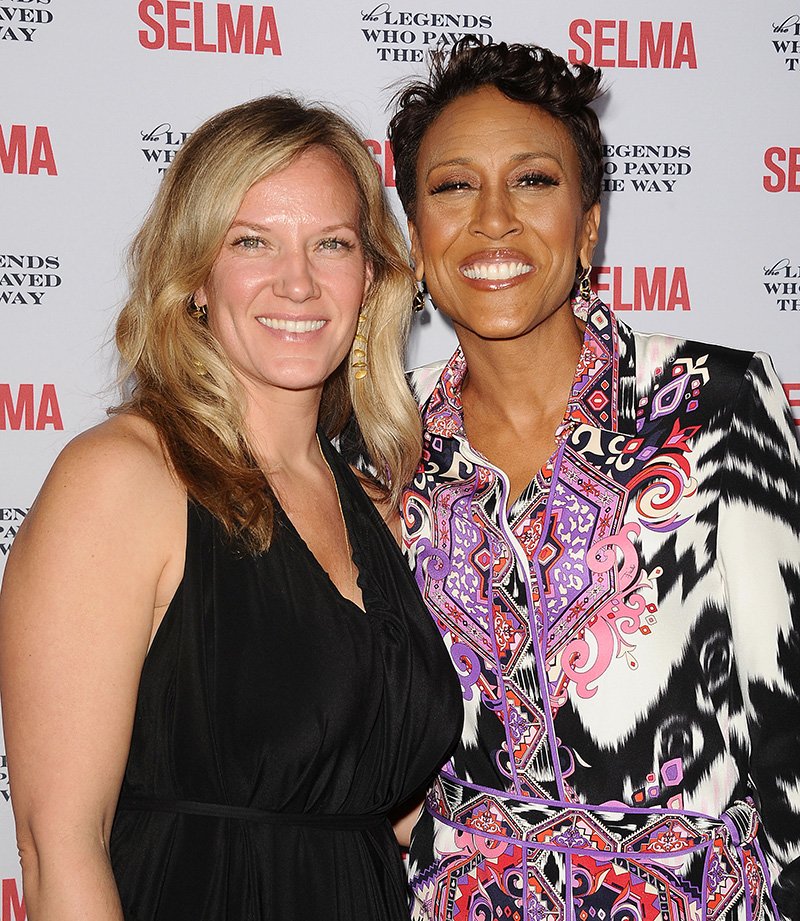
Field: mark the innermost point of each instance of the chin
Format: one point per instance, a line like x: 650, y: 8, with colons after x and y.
x: 298, y: 383
x: 290, y: 379
x: 498, y: 331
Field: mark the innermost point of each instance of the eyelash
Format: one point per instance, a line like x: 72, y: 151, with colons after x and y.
x: 247, y: 239
x: 450, y: 185
x: 340, y: 243
x: 538, y: 179
x: 326, y: 244
x: 457, y: 185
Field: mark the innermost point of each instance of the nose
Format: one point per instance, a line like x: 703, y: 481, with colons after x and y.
x: 494, y: 215
x: 295, y: 277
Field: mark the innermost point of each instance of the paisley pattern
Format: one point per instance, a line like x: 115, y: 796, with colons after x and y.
x: 627, y: 637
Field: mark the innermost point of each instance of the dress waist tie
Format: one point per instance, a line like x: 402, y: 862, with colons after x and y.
x: 733, y: 862
x: 335, y: 821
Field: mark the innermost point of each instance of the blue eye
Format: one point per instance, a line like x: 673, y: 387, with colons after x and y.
x: 334, y: 243
x: 248, y: 242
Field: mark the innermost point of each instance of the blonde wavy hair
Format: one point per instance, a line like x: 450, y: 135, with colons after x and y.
x: 173, y: 371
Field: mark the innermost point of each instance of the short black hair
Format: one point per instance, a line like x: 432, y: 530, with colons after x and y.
x: 525, y: 73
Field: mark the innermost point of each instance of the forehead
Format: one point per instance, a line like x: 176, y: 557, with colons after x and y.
x: 314, y: 182
x: 485, y: 124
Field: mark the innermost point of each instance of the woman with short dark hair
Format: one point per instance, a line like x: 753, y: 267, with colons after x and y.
x: 605, y: 528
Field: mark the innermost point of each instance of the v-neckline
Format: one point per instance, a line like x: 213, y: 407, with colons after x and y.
x: 344, y: 504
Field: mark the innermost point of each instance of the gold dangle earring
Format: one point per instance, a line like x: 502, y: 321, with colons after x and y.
x: 197, y: 312
x: 585, y: 283
x: 358, y: 358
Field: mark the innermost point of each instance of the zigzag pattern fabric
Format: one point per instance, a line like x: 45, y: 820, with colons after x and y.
x: 627, y: 636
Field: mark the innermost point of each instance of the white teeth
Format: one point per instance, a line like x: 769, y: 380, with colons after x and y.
x: 291, y: 326
x: 496, y: 271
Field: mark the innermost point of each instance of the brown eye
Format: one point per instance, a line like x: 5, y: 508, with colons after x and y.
x: 536, y: 179
x: 450, y: 185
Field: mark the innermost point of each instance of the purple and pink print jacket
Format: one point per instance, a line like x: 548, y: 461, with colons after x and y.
x: 627, y: 636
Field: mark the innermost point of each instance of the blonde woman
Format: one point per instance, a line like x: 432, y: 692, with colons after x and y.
x: 204, y: 608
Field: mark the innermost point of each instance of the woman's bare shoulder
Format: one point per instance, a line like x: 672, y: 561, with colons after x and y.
x: 123, y: 452
x: 105, y: 534
x: 112, y: 474
x: 122, y: 439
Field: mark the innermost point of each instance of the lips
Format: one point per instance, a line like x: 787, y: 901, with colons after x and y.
x: 496, y: 266
x: 291, y: 326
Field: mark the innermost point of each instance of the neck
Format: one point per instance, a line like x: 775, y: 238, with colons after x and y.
x: 524, y: 377
x: 282, y: 429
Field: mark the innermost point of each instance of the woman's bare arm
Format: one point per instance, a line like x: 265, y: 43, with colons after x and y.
x: 404, y: 824
x: 91, y: 570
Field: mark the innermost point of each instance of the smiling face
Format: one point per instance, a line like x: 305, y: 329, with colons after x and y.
x: 499, y: 225
x: 285, y: 290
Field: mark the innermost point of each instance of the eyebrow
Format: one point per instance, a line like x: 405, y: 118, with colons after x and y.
x: 516, y: 158
x: 535, y: 155
x: 265, y: 228
x: 247, y: 225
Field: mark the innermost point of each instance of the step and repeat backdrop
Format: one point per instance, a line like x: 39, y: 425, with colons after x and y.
x: 702, y: 173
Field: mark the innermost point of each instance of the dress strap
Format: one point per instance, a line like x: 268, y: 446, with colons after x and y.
x: 246, y: 813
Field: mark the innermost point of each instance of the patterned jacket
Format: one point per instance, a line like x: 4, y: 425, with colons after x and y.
x: 627, y: 635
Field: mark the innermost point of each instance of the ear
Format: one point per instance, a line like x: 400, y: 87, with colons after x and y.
x: 416, y: 252
x: 200, y: 296
x: 369, y: 275
x: 589, y: 234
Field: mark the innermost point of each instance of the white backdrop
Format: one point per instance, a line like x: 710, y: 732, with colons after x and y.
x: 701, y: 123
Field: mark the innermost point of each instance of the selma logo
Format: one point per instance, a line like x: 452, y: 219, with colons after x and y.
x: 10, y: 520
x: 26, y: 279
x: 27, y: 151
x: 643, y: 288
x: 29, y: 411
x: 12, y: 904
x: 384, y: 160
x: 620, y: 43
x: 783, y: 164
x: 793, y: 396
x: 20, y: 21
x: 183, y: 25
x: 788, y: 45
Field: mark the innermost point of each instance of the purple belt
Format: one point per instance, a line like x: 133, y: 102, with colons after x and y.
x: 734, y: 867
x: 576, y: 827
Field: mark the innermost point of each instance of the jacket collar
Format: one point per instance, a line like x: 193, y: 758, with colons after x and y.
x: 595, y: 396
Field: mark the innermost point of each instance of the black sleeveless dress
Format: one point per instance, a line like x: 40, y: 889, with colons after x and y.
x: 276, y: 725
